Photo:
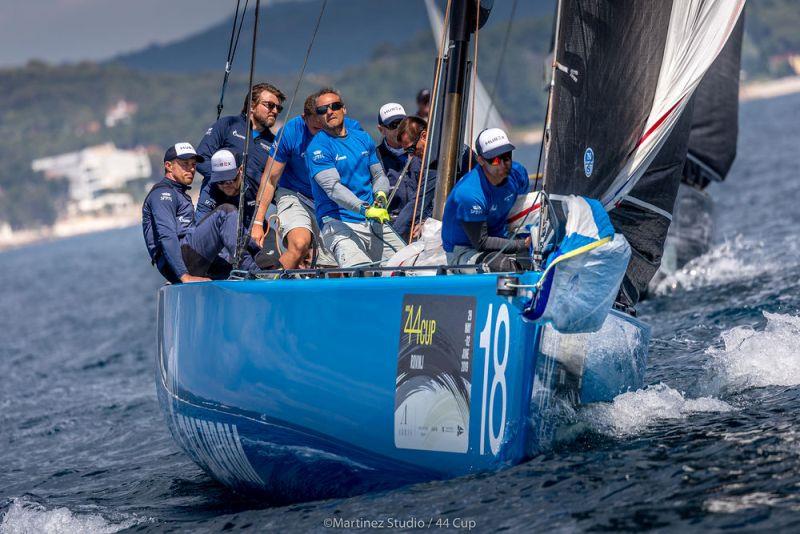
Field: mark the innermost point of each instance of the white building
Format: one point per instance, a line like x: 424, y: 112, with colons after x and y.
x: 97, y: 176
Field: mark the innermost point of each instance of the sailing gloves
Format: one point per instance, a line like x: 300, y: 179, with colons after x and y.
x: 377, y: 211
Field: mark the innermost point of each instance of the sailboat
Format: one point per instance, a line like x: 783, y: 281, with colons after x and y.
x: 300, y: 389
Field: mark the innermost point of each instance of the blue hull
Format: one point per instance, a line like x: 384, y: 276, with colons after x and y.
x: 310, y: 389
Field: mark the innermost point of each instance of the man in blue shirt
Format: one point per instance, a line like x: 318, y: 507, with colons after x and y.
x: 182, y: 250
x: 475, y: 213
x: 229, y: 133
x: 289, y: 185
x: 390, y: 152
x: 349, y: 188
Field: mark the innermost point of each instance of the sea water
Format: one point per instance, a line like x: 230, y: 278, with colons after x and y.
x: 712, y: 441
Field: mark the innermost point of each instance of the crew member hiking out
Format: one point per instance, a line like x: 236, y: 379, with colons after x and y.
x: 229, y: 132
x: 182, y: 250
x: 349, y: 188
x: 390, y: 152
x: 290, y: 186
x: 475, y: 213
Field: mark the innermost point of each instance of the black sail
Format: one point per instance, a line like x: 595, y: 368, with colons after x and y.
x: 612, y: 53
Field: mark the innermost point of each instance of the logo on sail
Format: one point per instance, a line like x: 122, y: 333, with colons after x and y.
x: 588, y: 162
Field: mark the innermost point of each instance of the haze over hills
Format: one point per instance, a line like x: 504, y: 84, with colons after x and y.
x: 349, y: 33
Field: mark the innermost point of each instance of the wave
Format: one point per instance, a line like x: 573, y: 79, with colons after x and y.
x: 752, y: 358
x: 24, y: 516
x: 739, y: 259
x: 632, y: 412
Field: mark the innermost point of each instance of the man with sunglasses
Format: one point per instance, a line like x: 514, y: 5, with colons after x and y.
x: 475, y: 213
x: 412, y: 133
x: 289, y: 185
x: 229, y: 133
x: 349, y: 188
x: 182, y: 250
x: 390, y: 152
x: 224, y: 184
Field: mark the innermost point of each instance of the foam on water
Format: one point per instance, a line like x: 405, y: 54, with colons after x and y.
x: 752, y: 358
x: 728, y: 262
x: 24, y: 517
x: 632, y: 412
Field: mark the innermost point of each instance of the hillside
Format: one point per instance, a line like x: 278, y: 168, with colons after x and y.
x: 349, y: 32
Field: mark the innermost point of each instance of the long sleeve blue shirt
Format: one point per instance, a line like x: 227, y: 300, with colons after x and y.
x: 167, y: 219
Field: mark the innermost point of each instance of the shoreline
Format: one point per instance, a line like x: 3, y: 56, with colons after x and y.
x: 752, y: 91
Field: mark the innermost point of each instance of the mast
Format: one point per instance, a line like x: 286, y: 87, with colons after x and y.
x: 462, y: 24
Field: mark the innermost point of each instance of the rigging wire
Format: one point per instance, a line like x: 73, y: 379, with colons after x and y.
x: 268, y: 170
x: 240, y: 240
x: 500, y: 62
x: 232, y: 46
x: 432, y: 113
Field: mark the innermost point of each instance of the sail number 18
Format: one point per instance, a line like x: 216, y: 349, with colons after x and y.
x: 495, y: 329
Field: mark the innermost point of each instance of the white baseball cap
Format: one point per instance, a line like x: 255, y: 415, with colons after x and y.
x: 224, y: 166
x: 492, y: 142
x: 182, y: 151
x: 391, y: 112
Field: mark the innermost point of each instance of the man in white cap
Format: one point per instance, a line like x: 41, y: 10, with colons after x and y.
x: 475, y: 213
x: 182, y: 250
x: 390, y: 152
x: 225, y: 183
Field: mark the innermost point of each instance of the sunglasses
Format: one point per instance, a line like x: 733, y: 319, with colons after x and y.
x: 497, y: 160
x: 393, y: 125
x: 271, y: 105
x: 334, y: 106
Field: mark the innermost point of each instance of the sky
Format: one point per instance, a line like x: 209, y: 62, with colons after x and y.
x: 58, y: 31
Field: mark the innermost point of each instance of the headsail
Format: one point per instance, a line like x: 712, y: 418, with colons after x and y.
x: 625, y: 72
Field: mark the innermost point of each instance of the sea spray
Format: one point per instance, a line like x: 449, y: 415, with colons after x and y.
x: 632, y: 412
x: 752, y: 358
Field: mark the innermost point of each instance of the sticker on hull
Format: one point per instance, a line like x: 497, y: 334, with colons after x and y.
x: 432, y: 389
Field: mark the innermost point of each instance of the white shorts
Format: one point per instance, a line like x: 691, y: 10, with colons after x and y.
x: 356, y: 244
x: 296, y: 213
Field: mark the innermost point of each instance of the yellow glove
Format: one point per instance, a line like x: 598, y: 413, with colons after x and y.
x: 377, y: 214
x: 380, y: 200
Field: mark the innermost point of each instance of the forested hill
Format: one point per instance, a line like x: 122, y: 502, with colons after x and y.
x: 349, y: 33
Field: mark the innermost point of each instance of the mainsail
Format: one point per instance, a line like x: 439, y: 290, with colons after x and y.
x: 625, y: 71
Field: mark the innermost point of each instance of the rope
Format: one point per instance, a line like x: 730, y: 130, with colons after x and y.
x: 268, y: 170
x: 240, y: 238
x: 437, y: 80
x: 500, y: 61
x: 232, y: 46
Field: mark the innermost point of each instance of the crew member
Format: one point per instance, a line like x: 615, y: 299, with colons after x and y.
x: 182, y: 250
x: 423, y: 103
x: 349, y: 188
x: 390, y: 153
x: 290, y: 186
x: 229, y: 132
x: 412, y: 133
x: 475, y: 213
x: 224, y: 184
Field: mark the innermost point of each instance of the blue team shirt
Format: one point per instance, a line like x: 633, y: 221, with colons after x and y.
x: 167, y: 221
x: 295, y: 138
x: 352, y: 156
x: 474, y: 199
